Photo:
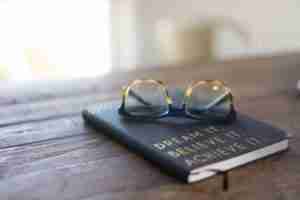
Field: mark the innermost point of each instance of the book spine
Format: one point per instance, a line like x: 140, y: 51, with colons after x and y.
x: 147, y: 153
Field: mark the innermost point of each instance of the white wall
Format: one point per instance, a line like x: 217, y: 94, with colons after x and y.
x: 272, y: 25
x: 50, y: 39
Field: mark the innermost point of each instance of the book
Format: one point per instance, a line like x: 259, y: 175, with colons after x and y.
x: 188, y: 149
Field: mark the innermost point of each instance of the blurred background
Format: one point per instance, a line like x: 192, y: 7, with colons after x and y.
x: 67, y: 39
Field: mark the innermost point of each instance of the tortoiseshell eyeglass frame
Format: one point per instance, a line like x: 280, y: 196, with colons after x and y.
x: 174, y: 111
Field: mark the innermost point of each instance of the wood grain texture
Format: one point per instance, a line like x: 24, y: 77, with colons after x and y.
x: 46, y: 151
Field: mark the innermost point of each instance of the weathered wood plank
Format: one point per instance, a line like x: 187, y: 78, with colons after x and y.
x: 31, y: 112
x: 40, y: 134
x: 29, y: 133
x: 276, y: 111
x: 52, y: 154
x: 87, y: 173
x: 73, y: 164
x: 71, y: 106
x: 80, y: 167
x: 46, y: 130
x: 282, y: 111
x: 241, y: 70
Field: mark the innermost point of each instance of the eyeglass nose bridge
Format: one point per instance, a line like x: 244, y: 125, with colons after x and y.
x: 169, y: 100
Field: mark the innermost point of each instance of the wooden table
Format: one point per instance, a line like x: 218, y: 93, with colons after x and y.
x: 46, y: 151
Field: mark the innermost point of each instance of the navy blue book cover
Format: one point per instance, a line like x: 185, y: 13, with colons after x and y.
x: 183, y: 146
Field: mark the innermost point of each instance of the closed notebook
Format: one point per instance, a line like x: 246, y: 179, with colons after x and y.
x: 188, y: 149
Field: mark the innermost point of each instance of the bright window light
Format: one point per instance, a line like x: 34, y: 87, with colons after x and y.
x: 54, y: 39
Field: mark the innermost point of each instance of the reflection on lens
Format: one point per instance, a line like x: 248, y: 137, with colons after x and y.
x: 208, y: 99
x: 146, y: 98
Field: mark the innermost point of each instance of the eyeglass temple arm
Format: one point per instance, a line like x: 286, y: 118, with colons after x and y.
x: 210, y: 105
x: 216, y: 101
x: 139, y: 98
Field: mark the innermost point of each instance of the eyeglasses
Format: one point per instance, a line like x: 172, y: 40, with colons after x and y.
x: 203, y: 100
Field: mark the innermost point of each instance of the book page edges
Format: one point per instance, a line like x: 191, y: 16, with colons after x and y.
x: 208, y: 171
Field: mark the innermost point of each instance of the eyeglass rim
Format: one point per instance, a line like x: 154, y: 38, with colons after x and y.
x: 190, y: 88
x: 168, y: 99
